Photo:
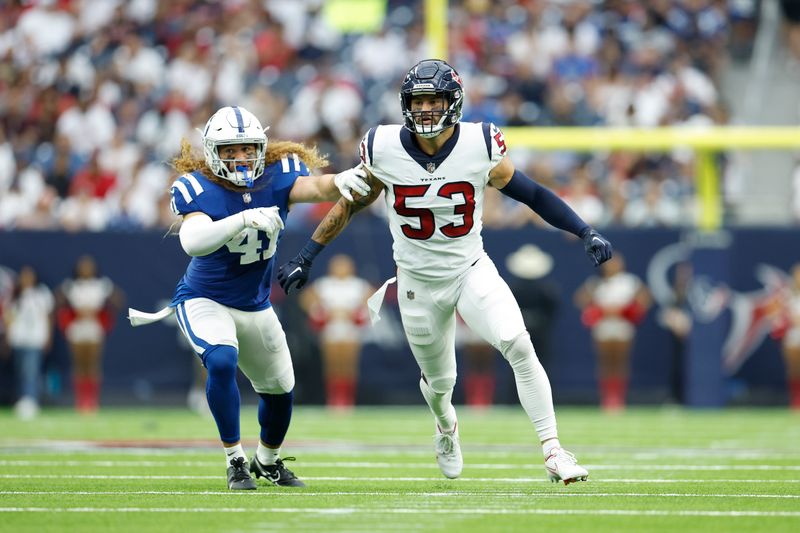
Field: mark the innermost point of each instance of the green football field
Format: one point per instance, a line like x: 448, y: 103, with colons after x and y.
x: 651, y: 469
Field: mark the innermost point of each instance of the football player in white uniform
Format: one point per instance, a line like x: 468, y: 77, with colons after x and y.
x: 434, y: 170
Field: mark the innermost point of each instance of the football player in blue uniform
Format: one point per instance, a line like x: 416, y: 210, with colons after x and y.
x: 233, y: 202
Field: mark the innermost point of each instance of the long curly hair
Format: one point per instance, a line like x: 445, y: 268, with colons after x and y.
x: 190, y: 160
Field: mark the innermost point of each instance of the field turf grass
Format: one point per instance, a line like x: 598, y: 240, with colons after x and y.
x: 651, y: 469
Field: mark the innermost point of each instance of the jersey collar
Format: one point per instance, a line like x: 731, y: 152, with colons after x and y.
x: 424, y: 160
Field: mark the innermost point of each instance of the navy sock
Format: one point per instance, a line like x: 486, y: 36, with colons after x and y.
x: 274, y: 415
x: 222, y: 391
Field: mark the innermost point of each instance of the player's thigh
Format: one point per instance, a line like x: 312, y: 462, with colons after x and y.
x: 206, y: 323
x: 488, y: 306
x: 263, y: 352
x: 429, y: 325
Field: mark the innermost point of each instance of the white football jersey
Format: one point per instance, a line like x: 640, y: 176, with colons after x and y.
x: 434, y: 203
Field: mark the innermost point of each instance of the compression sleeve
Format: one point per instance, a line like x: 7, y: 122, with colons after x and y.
x: 542, y: 200
x: 201, y: 236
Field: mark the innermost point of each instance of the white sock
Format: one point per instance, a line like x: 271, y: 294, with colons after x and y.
x: 548, y: 446
x: 441, y: 407
x: 267, y: 456
x: 232, y: 452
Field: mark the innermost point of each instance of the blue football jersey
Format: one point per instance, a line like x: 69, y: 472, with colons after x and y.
x: 237, y: 274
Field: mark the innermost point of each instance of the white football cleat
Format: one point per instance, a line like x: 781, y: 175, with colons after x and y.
x: 561, y: 465
x: 26, y: 408
x: 448, y: 452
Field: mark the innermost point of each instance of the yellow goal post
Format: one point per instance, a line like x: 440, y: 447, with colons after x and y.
x: 705, y: 141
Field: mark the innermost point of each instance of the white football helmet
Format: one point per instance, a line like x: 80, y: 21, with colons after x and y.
x: 234, y: 125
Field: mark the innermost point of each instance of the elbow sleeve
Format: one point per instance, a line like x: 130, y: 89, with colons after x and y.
x: 201, y: 236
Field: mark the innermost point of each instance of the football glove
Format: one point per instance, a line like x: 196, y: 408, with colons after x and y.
x: 352, y: 179
x: 597, y: 247
x: 266, y: 219
x: 294, y: 274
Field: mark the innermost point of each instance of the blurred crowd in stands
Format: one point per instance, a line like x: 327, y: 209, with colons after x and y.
x: 96, y: 95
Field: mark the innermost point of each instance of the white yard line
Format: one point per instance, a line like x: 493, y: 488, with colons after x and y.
x: 304, y: 493
x: 409, y: 511
x: 346, y: 449
x: 411, y: 479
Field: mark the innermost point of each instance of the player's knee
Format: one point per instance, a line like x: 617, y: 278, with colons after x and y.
x: 221, y: 361
x: 441, y: 384
x: 518, y: 349
x: 280, y: 384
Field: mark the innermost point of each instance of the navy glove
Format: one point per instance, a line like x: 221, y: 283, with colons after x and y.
x: 294, y: 274
x: 597, y: 247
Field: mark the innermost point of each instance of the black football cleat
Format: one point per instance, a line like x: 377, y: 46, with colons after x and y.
x: 277, y: 473
x: 239, y: 476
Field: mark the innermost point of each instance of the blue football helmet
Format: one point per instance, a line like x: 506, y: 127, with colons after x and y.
x: 432, y: 76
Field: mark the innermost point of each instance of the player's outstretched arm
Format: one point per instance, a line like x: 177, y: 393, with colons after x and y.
x: 330, y: 187
x: 294, y: 274
x: 550, y: 207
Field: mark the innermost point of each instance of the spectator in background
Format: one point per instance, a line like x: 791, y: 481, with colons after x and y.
x: 789, y: 333
x: 336, y: 307
x: 612, y: 306
x: 676, y: 318
x: 653, y: 208
x: 87, y: 306
x: 149, y: 71
x: 29, y: 320
x: 538, y: 296
x: 791, y: 17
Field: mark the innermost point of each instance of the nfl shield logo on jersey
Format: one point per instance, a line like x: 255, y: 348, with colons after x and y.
x: 431, y: 167
x: 246, y: 197
x: 410, y: 295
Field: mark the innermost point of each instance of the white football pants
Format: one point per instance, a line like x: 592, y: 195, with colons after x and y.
x: 257, y: 335
x: 485, y: 302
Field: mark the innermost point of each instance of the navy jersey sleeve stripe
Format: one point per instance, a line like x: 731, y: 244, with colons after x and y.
x: 487, y: 137
x: 370, y: 143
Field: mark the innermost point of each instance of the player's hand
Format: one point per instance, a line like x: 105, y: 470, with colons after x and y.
x: 294, y: 274
x: 597, y: 247
x: 352, y: 180
x: 267, y: 219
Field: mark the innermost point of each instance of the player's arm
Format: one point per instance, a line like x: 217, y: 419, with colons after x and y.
x: 515, y: 184
x: 294, y: 274
x: 329, y: 187
x: 340, y: 214
x: 200, y: 235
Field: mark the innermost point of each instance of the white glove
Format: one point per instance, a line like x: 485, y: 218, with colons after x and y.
x: 352, y: 179
x: 266, y: 219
